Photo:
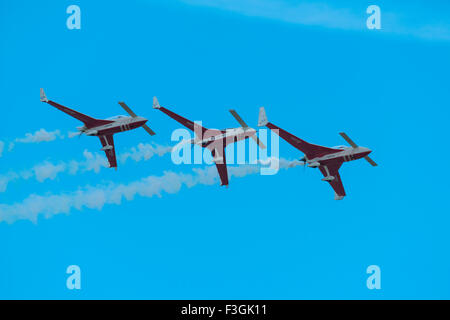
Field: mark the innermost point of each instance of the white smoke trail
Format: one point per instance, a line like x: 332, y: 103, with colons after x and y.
x: 97, y: 197
x: 144, y: 152
x: 92, y: 162
x: 41, y: 135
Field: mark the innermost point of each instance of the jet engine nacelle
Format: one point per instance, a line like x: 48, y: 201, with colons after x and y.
x: 314, y: 164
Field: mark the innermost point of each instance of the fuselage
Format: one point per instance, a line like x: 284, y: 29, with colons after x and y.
x: 225, y: 136
x: 347, y: 154
x: 117, y: 124
x: 215, y: 138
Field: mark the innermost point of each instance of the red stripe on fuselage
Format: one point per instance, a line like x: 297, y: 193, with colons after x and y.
x: 120, y: 128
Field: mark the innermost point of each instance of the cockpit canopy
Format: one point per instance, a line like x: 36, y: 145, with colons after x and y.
x: 340, y: 147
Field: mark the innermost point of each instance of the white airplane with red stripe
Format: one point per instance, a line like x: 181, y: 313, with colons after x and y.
x: 104, y: 129
x: 328, y: 160
x: 214, y: 139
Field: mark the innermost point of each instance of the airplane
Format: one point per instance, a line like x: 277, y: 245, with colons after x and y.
x: 328, y: 160
x: 214, y: 139
x: 104, y: 129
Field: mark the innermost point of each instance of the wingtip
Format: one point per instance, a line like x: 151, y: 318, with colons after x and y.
x: 43, y: 96
x: 338, y: 197
x: 156, y: 103
x: 262, y: 119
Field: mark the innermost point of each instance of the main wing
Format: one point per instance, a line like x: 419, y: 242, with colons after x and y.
x: 310, y: 150
x: 221, y: 164
x: 332, y: 170
x: 88, y: 121
x: 108, y: 146
x: 205, y: 132
x: 185, y: 122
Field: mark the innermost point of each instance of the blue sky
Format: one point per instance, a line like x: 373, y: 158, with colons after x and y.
x: 316, y: 69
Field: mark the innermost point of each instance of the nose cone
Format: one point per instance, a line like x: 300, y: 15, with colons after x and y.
x: 365, y: 151
x: 142, y: 121
x: 139, y: 122
x: 250, y: 131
